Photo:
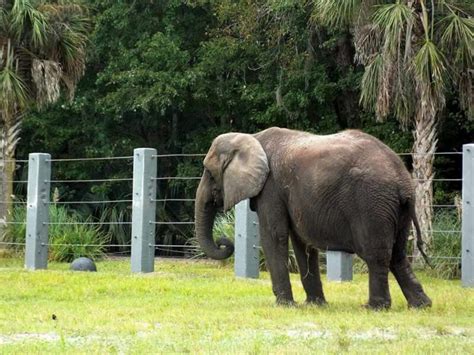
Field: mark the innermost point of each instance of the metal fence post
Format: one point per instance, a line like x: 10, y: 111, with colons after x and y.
x: 143, y: 210
x: 467, y: 258
x: 37, y: 211
x: 339, y: 266
x: 247, y: 241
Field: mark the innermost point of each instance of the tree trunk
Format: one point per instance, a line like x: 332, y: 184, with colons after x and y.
x: 9, y: 139
x: 424, y: 146
x: 174, y: 127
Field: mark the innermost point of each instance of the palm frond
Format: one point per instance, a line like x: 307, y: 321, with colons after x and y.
x: 391, y: 19
x: 13, y: 90
x: 456, y: 40
x: 429, y: 66
x: 404, y: 100
x: 457, y: 37
x: 335, y: 13
x: 371, y: 82
x: 367, y: 42
x: 70, y: 27
x: 28, y: 23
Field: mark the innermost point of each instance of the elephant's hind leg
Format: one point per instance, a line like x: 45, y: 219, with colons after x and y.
x: 411, y: 287
x: 308, y: 264
x: 379, y: 293
x: 401, y: 268
x: 374, y: 245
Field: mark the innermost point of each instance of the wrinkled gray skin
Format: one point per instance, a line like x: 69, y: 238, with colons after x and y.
x: 347, y: 191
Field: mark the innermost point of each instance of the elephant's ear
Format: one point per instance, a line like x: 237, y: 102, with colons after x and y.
x: 242, y: 165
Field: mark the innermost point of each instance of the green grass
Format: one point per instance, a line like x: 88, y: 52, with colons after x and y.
x: 198, y: 306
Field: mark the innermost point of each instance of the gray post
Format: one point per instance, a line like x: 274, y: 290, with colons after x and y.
x: 247, y: 241
x: 37, y: 211
x: 339, y: 266
x: 143, y: 210
x: 467, y: 262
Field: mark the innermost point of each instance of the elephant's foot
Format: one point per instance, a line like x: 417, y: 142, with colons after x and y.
x: 423, y: 301
x: 317, y: 301
x: 379, y: 305
x: 285, y: 302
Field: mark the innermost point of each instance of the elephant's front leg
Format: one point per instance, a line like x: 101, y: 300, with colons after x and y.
x: 308, y: 265
x: 274, y: 240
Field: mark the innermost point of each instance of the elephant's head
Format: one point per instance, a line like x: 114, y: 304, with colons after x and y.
x: 235, y: 168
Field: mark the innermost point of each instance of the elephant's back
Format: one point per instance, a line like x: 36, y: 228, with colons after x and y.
x: 337, y: 181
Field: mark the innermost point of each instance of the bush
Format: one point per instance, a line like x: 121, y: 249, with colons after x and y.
x: 91, y: 239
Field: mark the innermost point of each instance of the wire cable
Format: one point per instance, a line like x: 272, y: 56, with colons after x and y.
x: 177, y: 155
x: 90, y: 159
x: 88, y: 180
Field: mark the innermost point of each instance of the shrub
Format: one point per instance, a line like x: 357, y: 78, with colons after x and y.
x: 86, y: 240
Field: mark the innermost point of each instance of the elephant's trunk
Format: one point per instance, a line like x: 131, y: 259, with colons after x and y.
x: 205, y: 212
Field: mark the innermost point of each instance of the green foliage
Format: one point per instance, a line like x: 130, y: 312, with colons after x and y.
x: 61, y: 235
x: 446, y: 249
x: 174, y: 74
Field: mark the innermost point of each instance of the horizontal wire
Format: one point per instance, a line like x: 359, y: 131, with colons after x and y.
x: 87, y: 202
x: 90, y: 159
x: 154, y: 200
x: 439, y: 231
x: 169, y: 247
x: 177, y: 178
x: 12, y: 243
x: 435, y: 153
x: 16, y: 181
x: 171, y: 223
x: 190, y: 222
x: 175, y: 246
x: 85, y: 245
x: 182, y: 155
x: 173, y: 200
x: 173, y: 251
x: 14, y: 160
x: 437, y: 179
x: 177, y: 155
x: 89, y: 180
x: 181, y: 223
x: 86, y: 223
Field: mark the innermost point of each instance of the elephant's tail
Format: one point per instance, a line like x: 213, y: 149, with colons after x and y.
x: 419, y: 239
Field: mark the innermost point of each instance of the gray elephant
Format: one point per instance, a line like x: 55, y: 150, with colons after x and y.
x: 346, y: 191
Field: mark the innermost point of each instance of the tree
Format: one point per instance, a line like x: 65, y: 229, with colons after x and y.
x: 414, y: 53
x: 42, y: 49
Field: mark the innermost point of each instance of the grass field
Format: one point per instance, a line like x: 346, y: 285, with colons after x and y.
x: 198, y: 306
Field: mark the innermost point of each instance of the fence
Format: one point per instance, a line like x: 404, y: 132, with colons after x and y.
x: 247, y: 249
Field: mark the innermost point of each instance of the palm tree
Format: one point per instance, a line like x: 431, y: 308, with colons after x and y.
x: 414, y: 52
x: 42, y: 49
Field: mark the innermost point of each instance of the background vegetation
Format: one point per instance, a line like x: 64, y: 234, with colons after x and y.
x: 173, y: 74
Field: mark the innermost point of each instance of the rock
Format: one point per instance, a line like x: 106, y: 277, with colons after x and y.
x: 83, y: 264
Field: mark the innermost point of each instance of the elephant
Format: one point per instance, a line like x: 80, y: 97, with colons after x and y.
x: 342, y: 192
